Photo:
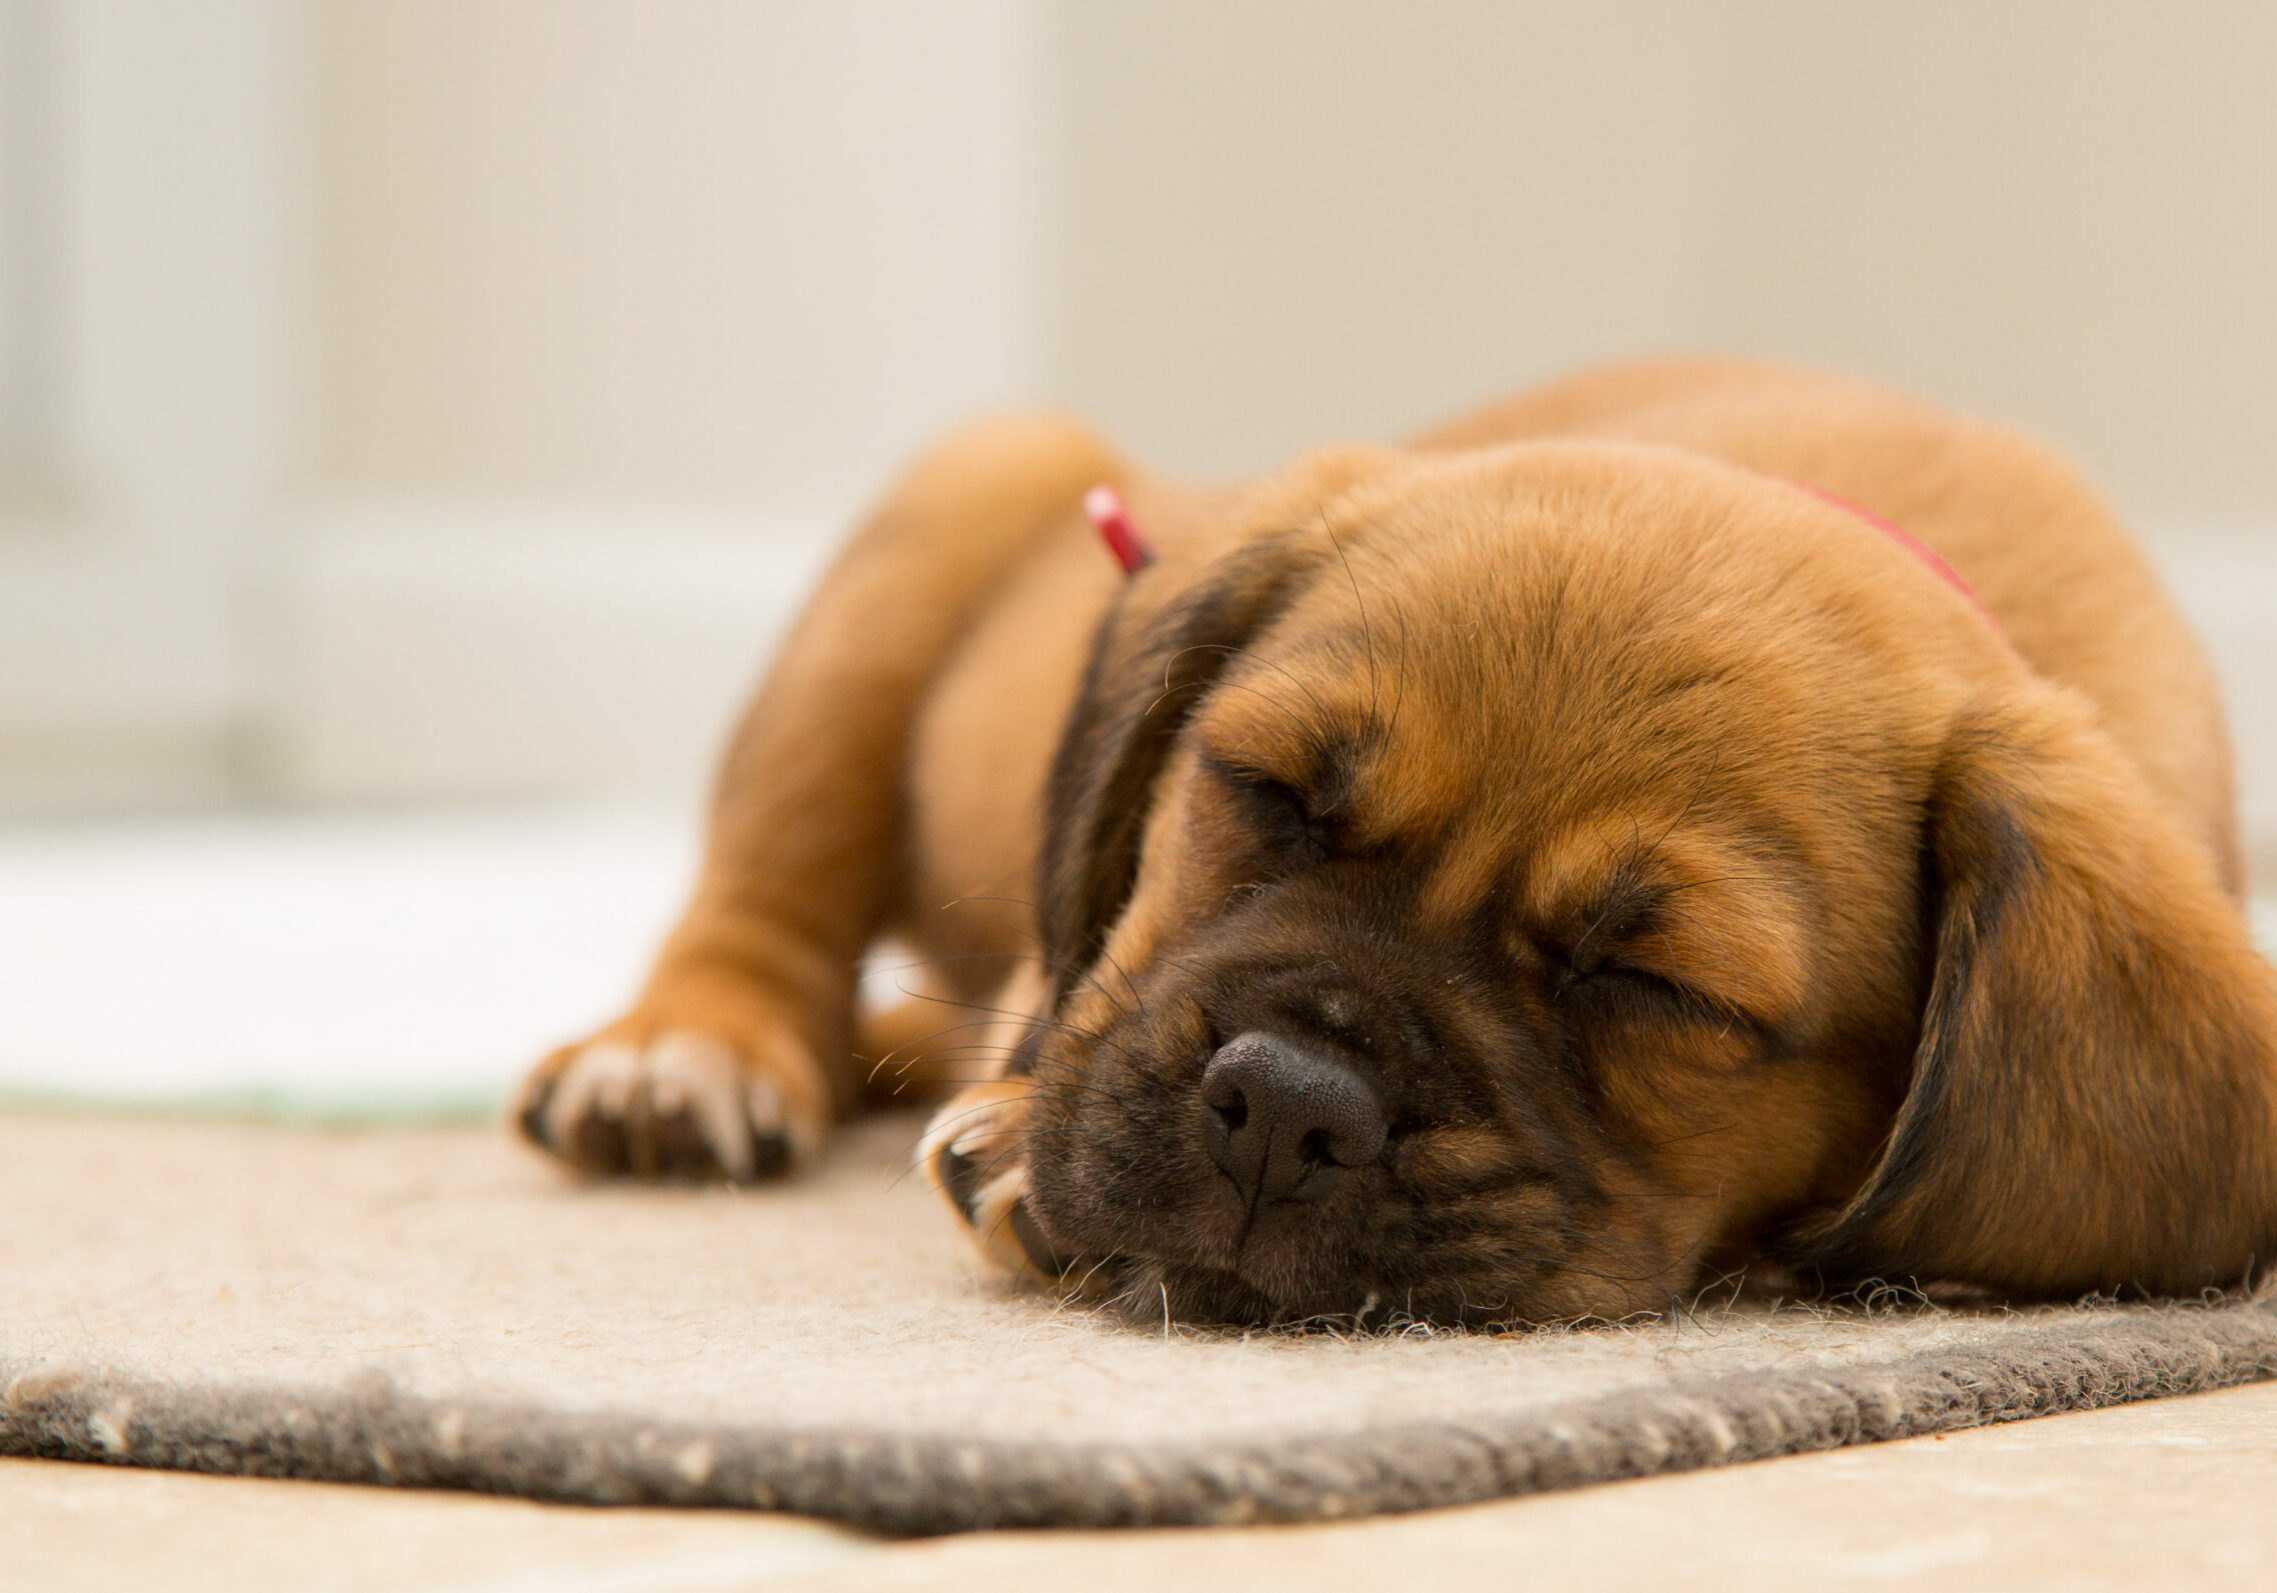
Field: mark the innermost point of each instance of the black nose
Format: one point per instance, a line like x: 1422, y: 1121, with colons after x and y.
x: 1285, y: 1123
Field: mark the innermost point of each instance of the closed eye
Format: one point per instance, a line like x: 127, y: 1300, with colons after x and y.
x: 1632, y: 985
x: 1283, y: 815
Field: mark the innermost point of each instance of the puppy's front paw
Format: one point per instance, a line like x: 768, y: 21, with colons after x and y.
x: 975, y: 1156
x: 673, y: 1103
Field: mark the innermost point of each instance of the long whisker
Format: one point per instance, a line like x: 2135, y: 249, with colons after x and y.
x: 1367, y: 626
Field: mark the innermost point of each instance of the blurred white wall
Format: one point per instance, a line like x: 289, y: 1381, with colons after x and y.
x: 1272, y: 223
x: 147, y: 433
x: 618, y: 314
x: 560, y: 336
x: 719, y: 254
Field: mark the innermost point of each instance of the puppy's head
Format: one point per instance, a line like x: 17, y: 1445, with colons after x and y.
x: 1539, y: 878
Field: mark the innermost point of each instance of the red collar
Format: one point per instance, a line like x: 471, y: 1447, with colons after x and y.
x: 1108, y: 515
x: 1103, y: 505
x: 1908, y: 541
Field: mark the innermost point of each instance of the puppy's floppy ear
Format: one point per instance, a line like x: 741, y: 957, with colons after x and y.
x: 2094, y: 1096
x: 1154, y: 658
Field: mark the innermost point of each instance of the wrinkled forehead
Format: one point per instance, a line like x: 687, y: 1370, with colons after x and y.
x: 1452, y: 684
x: 1533, y: 682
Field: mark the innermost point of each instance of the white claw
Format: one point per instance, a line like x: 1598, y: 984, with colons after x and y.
x: 592, y: 1077
x: 617, y: 1075
x: 704, y: 1073
x: 763, y: 1100
x: 984, y: 1123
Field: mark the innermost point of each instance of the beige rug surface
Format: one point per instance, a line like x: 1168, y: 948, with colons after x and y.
x: 437, y: 1306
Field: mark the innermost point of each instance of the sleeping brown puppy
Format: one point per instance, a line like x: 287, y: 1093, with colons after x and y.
x: 1508, y: 877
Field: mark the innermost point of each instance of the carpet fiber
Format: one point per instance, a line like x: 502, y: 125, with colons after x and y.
x: 435, y: 1307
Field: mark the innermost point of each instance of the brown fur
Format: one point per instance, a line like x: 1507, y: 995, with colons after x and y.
x: 1696, y: 877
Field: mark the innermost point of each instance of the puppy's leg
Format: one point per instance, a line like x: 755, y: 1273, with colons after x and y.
x: 738, y: 1054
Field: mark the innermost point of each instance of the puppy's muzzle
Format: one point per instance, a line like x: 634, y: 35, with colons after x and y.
x: 1283, y: 1122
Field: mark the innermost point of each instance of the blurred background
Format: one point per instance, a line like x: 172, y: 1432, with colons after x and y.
x: 418, y: 417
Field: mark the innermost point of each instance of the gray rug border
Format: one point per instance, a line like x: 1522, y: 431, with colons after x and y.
x: 915, y: 1483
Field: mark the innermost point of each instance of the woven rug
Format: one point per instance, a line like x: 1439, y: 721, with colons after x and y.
x: 435, y: 1307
